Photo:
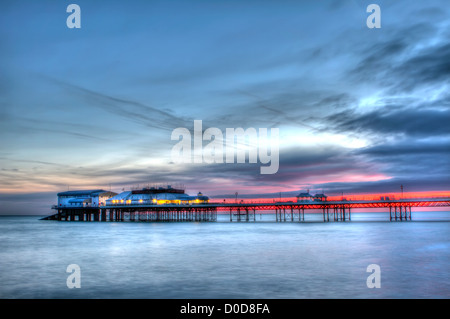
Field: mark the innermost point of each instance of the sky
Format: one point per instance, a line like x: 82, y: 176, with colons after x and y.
x: 359, y: 110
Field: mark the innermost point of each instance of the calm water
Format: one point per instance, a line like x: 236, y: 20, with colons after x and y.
x: 227, y: 260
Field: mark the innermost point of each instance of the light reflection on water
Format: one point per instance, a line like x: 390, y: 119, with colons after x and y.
x: 227, y: 260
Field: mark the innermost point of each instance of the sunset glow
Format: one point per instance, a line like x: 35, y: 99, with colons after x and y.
x: 350, y: 197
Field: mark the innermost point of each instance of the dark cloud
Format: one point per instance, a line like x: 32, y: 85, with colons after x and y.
x: 38, y: 203
x: 137, y: 112
x: 407, y: 148
x: 388, y: 121
x: 409, y: 142
x: 412, y: 158
x: 295, y: 107
x: 15, y: 160
x: 405, y: 60
x: 30, y: 127
x: 429, y: 66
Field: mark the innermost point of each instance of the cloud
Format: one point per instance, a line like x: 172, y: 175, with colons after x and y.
x: 36, y: 203
x: 280, y: 104
x: 412, y: 158
x: 135, y: 111
x: 412, y: 57
x: 410, y: 184
x: 407, y: 148
x: 388, y: 121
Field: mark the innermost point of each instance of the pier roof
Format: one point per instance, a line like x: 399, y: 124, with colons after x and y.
x: 82, y: 192
x: 304, y: 195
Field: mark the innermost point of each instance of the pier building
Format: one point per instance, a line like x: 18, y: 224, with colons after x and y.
x: 307, y: 197
x: 84, y: 198
x: 156, y: 196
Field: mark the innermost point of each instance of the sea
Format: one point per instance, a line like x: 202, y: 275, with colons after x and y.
x: 258, y: 259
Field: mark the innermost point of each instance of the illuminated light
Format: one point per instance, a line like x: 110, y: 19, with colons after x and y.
x: 141, y: 201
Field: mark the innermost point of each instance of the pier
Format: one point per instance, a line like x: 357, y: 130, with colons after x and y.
x: 399, y: 210
x: 155, y: 213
